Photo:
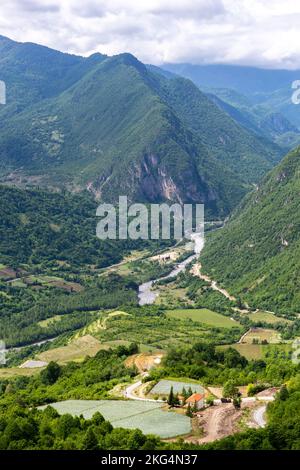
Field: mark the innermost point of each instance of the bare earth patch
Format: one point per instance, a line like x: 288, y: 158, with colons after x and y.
x: 218, y: 422
x: 144, y: 362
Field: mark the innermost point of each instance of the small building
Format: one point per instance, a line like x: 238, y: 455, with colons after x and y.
x: 196, y: 400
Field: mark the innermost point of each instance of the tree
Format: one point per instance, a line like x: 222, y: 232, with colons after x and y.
x: 237, y: 402
x: 194, y: 409
x: 184, y: 393
x: 50, y: 375
x: 90, y: 441
x: 176, y: 401
x: 230, y: 390
x: 171, y: 397
x: 189, y: 412
x: 283, y: 393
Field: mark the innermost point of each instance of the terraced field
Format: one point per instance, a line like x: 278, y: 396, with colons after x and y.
x: 150, y: 418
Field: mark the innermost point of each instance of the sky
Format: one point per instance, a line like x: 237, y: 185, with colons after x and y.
x: 263, y: 33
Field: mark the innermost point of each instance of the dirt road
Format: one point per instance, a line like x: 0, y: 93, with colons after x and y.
x: 196, y: 271
x: 218, y: 421
x: 259, y: 416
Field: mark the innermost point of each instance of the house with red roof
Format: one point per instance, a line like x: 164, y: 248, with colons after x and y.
x: 196, y: 401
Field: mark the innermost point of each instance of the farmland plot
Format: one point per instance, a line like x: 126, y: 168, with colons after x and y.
x: 163, y: 387
x: 146, y: 416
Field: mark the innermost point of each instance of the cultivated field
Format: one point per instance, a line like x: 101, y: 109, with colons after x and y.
x: 257, y: 351
x: 205, y: 316
x: 163, y: 387
x: 261, y: 334
x: 150, y: 418
x: 76, y: 350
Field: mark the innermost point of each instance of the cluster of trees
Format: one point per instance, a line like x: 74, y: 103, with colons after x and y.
x: 22, y: 426
x: 21, y: 429
x: 174, y: 400
x: 208, y: 364
x: 261, y: 238
x: 91, y: 379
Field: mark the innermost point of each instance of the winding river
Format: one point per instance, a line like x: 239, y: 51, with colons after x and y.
x: 147, y: 295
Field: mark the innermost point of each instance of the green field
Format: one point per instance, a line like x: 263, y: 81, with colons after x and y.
x: 203, y: 315
x: 146, y: 416
x: 163, y: 387
x: 266, y: 317
x: 257, y: 351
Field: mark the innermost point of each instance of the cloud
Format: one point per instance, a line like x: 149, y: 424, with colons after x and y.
x: 252, y: 32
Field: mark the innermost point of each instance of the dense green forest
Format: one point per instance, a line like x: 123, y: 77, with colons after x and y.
x: 256, y: 256
x: 46, y: 228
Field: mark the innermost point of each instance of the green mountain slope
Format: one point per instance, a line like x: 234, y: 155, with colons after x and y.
x: 114, y: 127
x: 235, y: 147
x: 33, y: 72
x: 260, y: 91
x: 44, y: 229
x: 257, y: 254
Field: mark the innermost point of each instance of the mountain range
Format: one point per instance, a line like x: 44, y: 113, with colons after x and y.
x: 115, y: 126
x: 259, y: 99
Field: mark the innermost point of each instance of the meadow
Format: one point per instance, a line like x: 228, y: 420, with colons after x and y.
x: 267, y: 317
x: 205, y: 316
x: 257, y: 351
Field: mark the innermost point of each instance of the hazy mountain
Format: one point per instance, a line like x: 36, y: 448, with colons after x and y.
x: 257, y: 254
x: 273, y: 126
x: 264, y: 91
x: 116, y: 127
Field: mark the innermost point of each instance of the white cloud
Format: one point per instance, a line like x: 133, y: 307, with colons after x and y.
x: 253, y: 32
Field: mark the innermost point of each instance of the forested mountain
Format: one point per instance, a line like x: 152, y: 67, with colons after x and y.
x: 42, y: 228
x: 112, y: 125
x: 257, y: 254
x: 256, y: 93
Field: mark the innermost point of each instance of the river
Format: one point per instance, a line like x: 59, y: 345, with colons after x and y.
x: 147, y: 295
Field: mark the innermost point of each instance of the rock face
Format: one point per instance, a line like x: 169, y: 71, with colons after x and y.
x: 113, y: 126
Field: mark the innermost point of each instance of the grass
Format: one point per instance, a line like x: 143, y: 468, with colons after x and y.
x: 10, y: 372
x: 146, y: 416
x: 257, y: 351
x: 205, y: 316
x: 267, y: 317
